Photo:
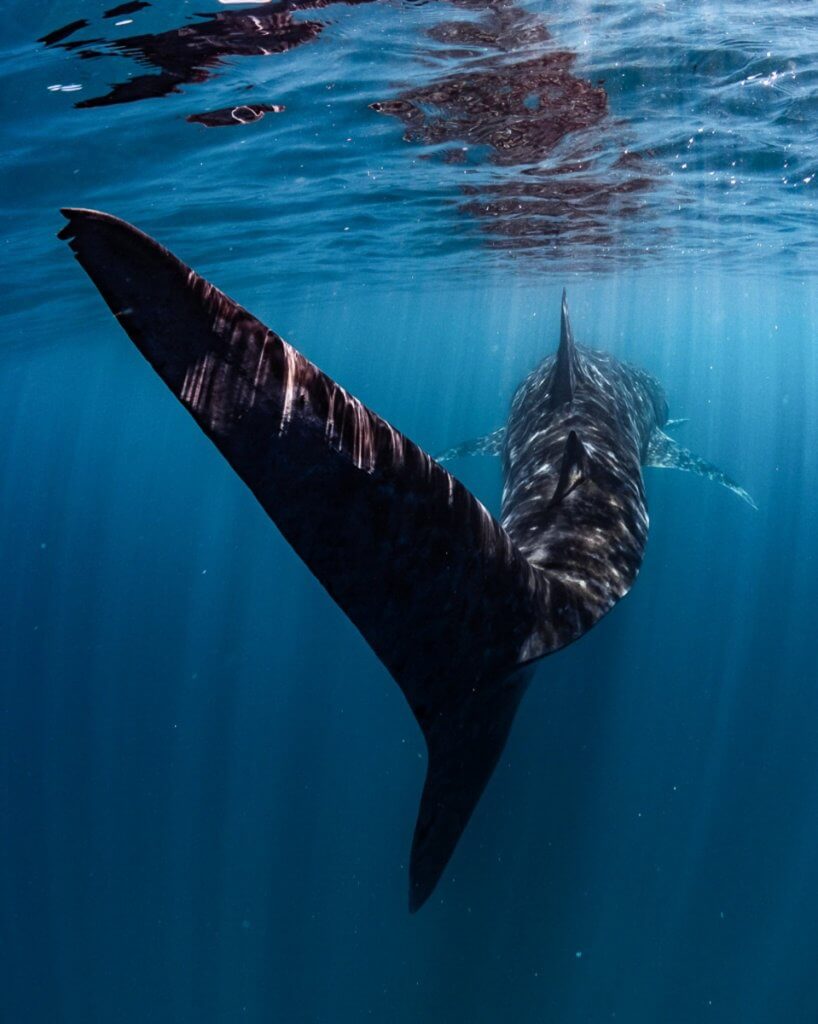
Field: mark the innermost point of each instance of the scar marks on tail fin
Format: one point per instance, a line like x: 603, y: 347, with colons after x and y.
x: 665, y: 453
x: 489, y: 444
x: 434, y: 584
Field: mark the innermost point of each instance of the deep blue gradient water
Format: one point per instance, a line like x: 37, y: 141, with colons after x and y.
x: 208, y: 783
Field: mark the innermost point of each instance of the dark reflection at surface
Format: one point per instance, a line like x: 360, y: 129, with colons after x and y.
x: 192, y: 53
x: 525, y: 215
x: 57, y: 36
x: 129, y: 8
x: 544, y: 165
x: 518, y: 108
x: 140, y: 87
x: 228, y: 117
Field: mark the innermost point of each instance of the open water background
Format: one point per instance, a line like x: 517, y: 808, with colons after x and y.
x: 208, y: 783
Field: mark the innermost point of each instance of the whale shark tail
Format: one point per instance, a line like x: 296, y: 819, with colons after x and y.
x: 464, y: 748
x: 428, y: 576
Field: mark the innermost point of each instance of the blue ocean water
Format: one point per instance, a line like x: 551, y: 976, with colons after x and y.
x: 208, y: 783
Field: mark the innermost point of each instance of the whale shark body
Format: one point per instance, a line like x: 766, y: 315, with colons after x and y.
x: 456, y: 604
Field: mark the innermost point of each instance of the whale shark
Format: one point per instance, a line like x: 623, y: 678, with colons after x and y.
x: 457, y: 604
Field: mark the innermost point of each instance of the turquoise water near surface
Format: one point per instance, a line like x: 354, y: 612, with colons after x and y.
x: 208, y: 783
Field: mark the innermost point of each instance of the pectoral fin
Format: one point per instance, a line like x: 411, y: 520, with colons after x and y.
x: 489, y: 444
x: 664, y: 453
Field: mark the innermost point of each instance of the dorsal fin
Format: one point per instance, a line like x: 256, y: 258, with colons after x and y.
x: 565, y: 367
x: 574, y: 468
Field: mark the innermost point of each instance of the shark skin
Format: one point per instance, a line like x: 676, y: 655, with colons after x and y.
x: 456, y: 604
x: 662, y: 451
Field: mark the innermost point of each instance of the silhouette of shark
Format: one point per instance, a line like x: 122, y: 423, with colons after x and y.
x: 455, y: 604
